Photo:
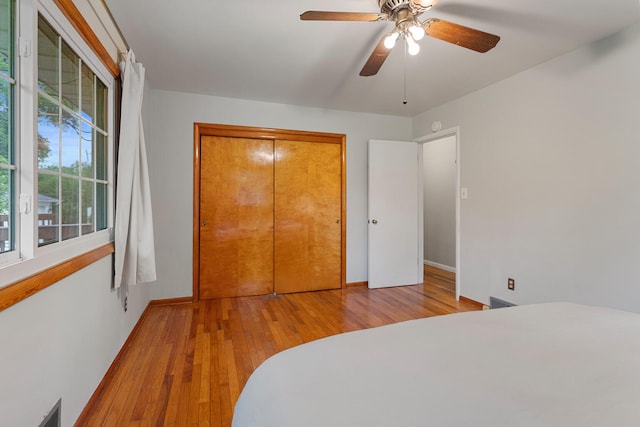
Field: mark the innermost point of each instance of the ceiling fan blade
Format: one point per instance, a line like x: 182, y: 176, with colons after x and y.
x: 316, y: 15
x: 460, y: 35
x: 376, y: 60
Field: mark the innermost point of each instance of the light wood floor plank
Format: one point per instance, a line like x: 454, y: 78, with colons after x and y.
x: 188, y: 363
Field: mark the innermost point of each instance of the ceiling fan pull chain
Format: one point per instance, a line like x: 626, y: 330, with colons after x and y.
x: 404, y: 101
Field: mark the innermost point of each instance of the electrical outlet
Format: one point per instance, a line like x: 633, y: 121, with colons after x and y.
x: 511, y: 284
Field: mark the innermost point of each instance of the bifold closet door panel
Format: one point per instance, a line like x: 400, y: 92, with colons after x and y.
x: 308, y: 207
x: 236, y: 217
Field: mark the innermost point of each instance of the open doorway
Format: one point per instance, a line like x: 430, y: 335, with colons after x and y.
x: 439, y: 208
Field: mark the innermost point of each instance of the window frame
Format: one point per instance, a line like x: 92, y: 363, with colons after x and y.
x: 14, y: 81
x: 29, y: 257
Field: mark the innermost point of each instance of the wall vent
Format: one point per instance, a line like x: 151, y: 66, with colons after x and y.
x: 53, y: 418
x: 498, y: 303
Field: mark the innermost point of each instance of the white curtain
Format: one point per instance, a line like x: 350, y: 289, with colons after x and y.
x: 135, y: 255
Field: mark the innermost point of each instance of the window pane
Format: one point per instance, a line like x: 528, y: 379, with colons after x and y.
x: 101, y: 156
x: 6, y: 211
x: 101, y: 105
x: 6, y: 121
x: 6, y: 37
x: 87, y: 150
x: 72, y: 145
x: 87, y: 93
x: 48, y: 134
x: 70, y: 159
x: 47, y: 58
x: 48, y: 209
x: 70, y: 78
x: 87, y: 207
x: 101, y: 206
x: 70, y: 208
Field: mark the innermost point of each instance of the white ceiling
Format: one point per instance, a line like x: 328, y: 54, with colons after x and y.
x: 260, y: 50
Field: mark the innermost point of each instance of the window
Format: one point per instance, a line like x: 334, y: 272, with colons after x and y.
x: 71, y: 144
x: 56, y: 165
x: 7, y: 139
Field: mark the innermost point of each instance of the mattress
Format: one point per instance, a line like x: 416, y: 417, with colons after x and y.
x: 554, y: 364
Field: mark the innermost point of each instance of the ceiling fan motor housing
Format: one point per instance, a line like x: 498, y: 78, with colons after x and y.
x: 392, y: 7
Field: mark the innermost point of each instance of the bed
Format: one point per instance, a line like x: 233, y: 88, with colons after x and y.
x: 552, y: 364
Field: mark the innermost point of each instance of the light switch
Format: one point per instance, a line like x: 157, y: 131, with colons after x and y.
x: 464, y: 193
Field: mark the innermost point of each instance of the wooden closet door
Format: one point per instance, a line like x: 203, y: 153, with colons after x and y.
x: 308, y: 208
x: 236, y: 217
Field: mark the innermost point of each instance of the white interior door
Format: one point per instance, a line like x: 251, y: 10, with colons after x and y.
x: 393, y: 214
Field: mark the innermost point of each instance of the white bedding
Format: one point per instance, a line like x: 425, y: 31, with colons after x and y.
x: 555, y: 364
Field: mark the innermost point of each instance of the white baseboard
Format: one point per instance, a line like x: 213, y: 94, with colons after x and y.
x: 440, y: 266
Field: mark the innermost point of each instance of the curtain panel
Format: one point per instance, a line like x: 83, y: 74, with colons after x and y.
x: 134, y: 244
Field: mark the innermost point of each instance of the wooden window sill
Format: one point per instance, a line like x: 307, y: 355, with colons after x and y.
x: 18, y: 291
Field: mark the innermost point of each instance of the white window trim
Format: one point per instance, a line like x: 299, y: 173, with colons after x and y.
x: 28, y: 258
x: 14, y: 256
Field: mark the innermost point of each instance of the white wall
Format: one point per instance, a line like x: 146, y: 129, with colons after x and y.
x: 439, y: 173
x: 60, y: 342
x: 551, y: 158
x: 170, y: 149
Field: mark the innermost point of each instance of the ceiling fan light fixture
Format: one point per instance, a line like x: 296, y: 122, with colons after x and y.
x: 417, y: 31
x: 390, y: 40
x: 412, y: 47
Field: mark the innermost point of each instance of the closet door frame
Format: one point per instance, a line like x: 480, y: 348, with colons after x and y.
x: 205, y: 129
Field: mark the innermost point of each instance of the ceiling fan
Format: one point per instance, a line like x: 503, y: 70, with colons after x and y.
x: 405, y: 14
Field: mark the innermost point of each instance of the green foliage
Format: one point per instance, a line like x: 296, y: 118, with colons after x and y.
x: 4, y: 150
x: 4, y: 125
x: 4, y: 189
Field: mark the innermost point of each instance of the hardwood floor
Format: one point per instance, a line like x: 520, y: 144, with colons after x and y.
x: 440, y: 279
x: 188, y: 363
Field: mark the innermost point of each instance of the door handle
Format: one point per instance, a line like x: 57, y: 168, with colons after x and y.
x: 203, y: 223
x: 374, y: 221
